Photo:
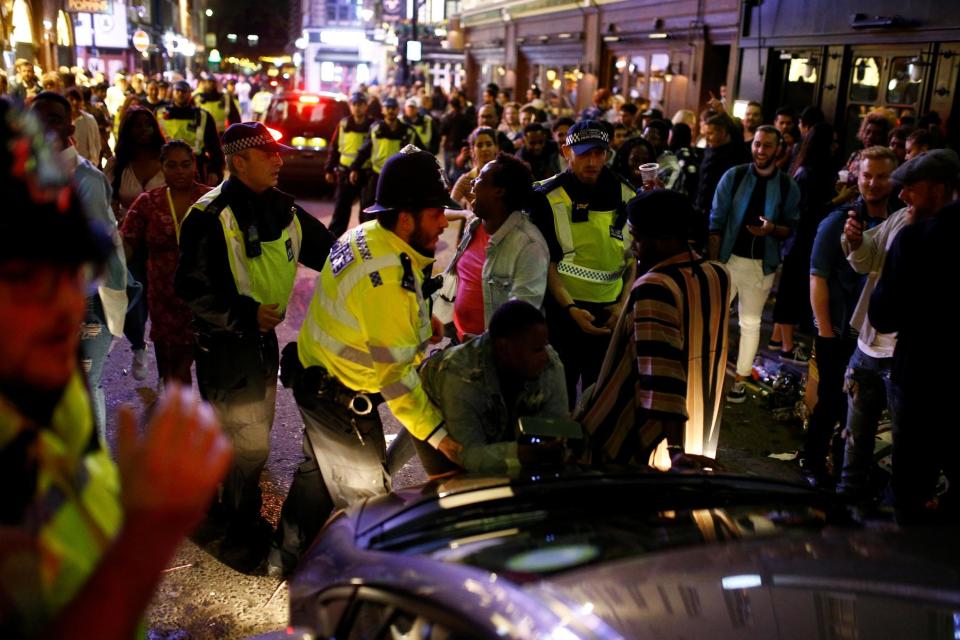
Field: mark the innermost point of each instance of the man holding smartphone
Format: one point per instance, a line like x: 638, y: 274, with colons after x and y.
x: 755, y: 208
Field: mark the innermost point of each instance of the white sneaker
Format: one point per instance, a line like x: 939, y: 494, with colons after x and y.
x: 139, y: 367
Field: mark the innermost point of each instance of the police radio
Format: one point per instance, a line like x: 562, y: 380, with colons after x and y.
x: 251, y: 242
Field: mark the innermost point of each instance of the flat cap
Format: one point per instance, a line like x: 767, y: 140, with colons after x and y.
x: 939, y: 165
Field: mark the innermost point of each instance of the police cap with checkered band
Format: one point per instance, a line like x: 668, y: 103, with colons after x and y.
x: 250, y: 135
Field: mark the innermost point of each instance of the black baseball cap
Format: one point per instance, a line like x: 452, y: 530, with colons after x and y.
x: 391, y: 102
x: 411, y: 180
x: 358, y: 96
x: 182, y: 85
x: 250, y: 135
x: 586, y: 135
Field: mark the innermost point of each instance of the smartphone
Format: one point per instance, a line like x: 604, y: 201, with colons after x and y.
x: 861, y: 209
x: 549, y: 428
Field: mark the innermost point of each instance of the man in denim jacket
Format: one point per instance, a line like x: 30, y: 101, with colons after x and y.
x: 502, y: 256
x: 485, y: 384
x: 755, y: 208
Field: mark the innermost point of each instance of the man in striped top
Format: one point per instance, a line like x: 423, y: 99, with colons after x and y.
x: 660, y: 388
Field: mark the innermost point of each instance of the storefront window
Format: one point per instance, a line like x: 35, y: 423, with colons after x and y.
x: 865, y: 80
x: 658, y: 66
x: 559, y: 86
x: 637, y: 77
x: 904, y: 86
x: 22, y: 31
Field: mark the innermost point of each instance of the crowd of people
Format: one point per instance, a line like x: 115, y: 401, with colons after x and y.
x: 593, y: 283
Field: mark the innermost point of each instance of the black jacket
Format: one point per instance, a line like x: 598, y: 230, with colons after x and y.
x: 716, y: 162
x: 232, y: 351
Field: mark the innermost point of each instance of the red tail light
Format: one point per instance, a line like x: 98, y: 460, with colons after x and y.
x: 276, y: 134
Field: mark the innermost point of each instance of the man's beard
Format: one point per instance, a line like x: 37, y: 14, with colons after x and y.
x: 419, y: 240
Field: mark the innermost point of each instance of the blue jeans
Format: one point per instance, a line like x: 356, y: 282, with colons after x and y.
x: 869, y: 391
x: 135, y: 324
x: 95, y: 341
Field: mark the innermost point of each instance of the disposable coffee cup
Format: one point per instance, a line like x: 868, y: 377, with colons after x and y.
x: 843, y: 175
x: 648, y: 172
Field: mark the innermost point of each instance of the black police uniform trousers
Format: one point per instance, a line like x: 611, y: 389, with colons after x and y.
x: 347, y: 193
x: 581, y: 353
x: 238, y: 377
x: 345, y: 460
x: 368, y: 195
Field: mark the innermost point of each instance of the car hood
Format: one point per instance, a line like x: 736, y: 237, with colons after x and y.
x: 838, y: 584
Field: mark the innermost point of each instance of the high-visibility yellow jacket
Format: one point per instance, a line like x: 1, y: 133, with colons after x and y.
x: 368, y: 324
x: 71, y: 517
x: 595, y: 244
x: 190, y: 130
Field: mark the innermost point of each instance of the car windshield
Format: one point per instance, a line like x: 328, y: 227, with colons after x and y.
x: 538, y: 531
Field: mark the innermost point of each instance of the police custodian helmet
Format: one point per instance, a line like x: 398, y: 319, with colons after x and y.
x: 411, y: 180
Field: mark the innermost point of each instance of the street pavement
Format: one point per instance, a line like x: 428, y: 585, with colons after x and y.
x: 201, y: 598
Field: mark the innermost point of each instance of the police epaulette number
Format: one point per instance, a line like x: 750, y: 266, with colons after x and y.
x: 341, y: 256
x: 408, y: 281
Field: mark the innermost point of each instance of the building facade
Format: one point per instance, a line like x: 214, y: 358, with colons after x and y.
x: 832, y: 53
x: 674, y: 53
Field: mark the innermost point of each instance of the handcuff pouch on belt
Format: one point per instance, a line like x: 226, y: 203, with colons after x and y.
x: 313, y: 383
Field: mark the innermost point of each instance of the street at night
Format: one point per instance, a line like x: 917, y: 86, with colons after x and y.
x: 478, y: 319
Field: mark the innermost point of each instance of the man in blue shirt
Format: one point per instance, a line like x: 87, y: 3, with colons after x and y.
x: 755, y: 208
x: 834, y: 290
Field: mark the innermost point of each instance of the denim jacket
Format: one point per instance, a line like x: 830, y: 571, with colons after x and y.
x: 516, y: 264
x: 463, y: 382
x: 726, y: 215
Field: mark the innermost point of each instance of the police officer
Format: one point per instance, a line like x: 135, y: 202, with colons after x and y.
x: 85, y: 540
x: 422, y: 123
x: 183, y: 121
x: 387, y: 137
x: 582, y: 215
x: 239, y: 248
x: 349, y: 136
x: 360, y: 344
x: 219, y: 104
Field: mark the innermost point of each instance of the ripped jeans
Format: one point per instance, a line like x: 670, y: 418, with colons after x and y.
x: 95, y: 341
x: 868, y: 387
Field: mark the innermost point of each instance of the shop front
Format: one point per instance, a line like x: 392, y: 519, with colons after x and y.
x: 853, y: 63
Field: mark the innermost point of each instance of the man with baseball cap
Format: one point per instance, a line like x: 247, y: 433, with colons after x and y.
x: 928, y: 183
x: 364, y: 335
x: 348, y: 138
x: 182, y: 120
x: 422, y: 123
x: 85, y: 539
x: 658, y: 347
x: 387, y: 137
x: 239, y: 249
x: 582, y: 216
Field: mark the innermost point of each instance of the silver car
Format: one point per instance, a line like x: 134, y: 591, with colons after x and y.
x: 607, y: 554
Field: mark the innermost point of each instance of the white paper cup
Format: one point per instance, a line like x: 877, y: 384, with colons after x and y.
x: 648, y: 172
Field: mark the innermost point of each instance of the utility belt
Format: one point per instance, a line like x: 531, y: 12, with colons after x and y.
x: 315, y: 383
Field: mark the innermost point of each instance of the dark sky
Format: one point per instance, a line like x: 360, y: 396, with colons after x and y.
x: 269, y: 19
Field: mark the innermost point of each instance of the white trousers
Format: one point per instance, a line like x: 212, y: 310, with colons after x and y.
x: 751, y: 288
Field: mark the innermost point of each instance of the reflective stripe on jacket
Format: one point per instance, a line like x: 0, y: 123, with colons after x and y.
x: 269, y: 277
x: 595, y: 252
x: 368, y: 324
x: 73, y: 516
